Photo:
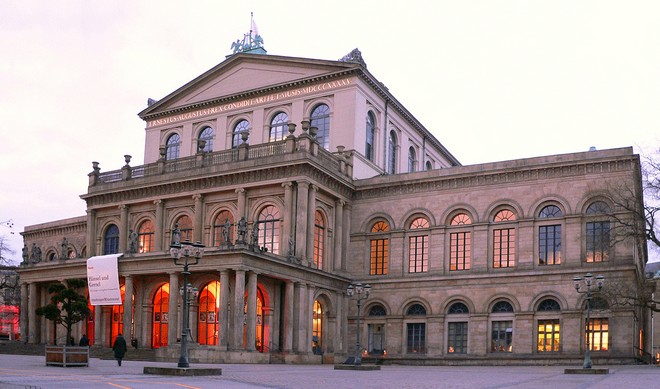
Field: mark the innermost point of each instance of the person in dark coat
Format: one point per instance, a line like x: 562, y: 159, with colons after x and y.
x: 119, y: 347
x: 84, y: 341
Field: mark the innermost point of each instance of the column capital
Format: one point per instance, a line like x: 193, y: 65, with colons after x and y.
x: 158, y: 202
x: 313, y: 188
x: 122, y: 207
x: 239, y: 190
x: 197, y: 196
x: 303, y: 183
x: 287, y: 184
x: 340, y: 203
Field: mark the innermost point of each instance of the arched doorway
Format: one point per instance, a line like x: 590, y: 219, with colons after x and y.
x: 259, y: 335
x: 161, y: 316
x: 117, y: 318
x: 317, y: 328
x: 209, y: 304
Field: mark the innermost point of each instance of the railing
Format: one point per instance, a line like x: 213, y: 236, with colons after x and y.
x: 644, y: 356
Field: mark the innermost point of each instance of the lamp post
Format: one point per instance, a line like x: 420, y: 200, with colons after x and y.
x: 182, y: 253
x: 358, y: 290
x: 588, y: 284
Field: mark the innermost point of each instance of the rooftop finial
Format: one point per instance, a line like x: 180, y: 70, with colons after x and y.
x: 354, y: 56
x: 252, y: 42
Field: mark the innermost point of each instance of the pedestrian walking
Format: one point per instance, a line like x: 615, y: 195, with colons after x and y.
x: 119, y: 347
x: 84, y: 341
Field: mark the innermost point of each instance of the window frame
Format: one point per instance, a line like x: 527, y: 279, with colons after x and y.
x: 379, y: 250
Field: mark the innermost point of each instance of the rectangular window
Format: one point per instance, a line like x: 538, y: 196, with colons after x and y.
x: 379, y: 255
x: 459, y: 252
x: 146, y: 242
x: 457, y: 338
x: 502, y: 336
x: 416, y: 339
x: 504, y: 247
x: 598, y: 241
x: 550, y: 245
x: 418, y: 255
x: 548, y: 336
x: 598, y: 334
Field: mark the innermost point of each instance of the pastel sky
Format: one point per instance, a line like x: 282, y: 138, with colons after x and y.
x: 491, y: 79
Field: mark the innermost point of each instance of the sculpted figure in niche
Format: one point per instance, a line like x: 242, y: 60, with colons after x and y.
x: 132, y: 242
x: 225, y: 231
x: 242, y: 230
x: 176, y: 234
x: 25, y: 253
x: 254, y: 238
x: 65, y: 248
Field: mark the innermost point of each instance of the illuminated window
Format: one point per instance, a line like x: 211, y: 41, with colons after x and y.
x: 369, y: 144
x: 317, y: 328
x: 207, y: 136
x: 173, y: 146
x: 320, y: 119
x: 111, y: 240
x: 460, y: 243
x: 548, y: 339
x: 412, y: 157
x: 239, y: 128
x: 220, y: 223
x: 185, y: 227
x: 598, y: 233
x: 504, y: 240
x: 416, y: 332
x: 597, y: 332
x: 379, y: 249
x: 391, y: 153
x: 418, y: 251
x: 146, y: 237
x: 279, y: 127
x: 502, y: 336
x: 319, y: 233
x: 209, y: 308
x: 160, y: 316
x: 268, y: 224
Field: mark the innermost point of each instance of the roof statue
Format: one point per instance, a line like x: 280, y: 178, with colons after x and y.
x: 354, y: 56
x: 252, y: 42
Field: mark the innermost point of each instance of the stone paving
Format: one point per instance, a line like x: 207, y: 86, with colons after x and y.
x: 22, y: 371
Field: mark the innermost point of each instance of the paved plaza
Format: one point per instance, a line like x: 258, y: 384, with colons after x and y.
x: 21, y: 371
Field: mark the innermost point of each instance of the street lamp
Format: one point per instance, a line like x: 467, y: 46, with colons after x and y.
x: 358, y: 290
x: 588, y: 283
x: 182, y: 252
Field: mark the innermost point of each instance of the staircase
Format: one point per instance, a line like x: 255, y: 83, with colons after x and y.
x: 133, y: 354
x: 19, y: 348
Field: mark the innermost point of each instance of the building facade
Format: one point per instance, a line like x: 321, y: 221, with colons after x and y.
x: 302, y: 176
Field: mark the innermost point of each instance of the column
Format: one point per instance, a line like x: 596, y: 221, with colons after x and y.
x: 309, y: 320
x: 223, y: 315
x: 252, y: 312
x: 287, y: 225
x: 159, y: 232
x: 91, y: 232
x: 347, y: 235
x: 301, y: 219
x: 173, y: 322
x: 32, y: 316
x: 199, y: 218
x: 241, y: 202
x: 338, y: 234
x: 237, y: 310
x: 98, y: 325
x: 311, y: 216
x: 123, y: 228
x: 128, y: 308
x: 299, y: 341
x: 22, y: 319
x: 288, y: 316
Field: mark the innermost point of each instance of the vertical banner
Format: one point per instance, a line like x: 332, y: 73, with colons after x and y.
x: 103, y: 280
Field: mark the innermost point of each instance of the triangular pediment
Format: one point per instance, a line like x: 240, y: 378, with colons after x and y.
x: 241, y: 73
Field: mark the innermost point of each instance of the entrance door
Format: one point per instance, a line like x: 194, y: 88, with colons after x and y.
x: 376, y: 334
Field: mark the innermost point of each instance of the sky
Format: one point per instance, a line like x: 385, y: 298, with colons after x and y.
x: 491, y: 79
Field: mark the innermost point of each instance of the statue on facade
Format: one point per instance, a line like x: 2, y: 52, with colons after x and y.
x: 35, y: 255
x: 25, y: 253
x: 254, y: 237
x: 65, y: 248
x: 226, y: 231
x: 176, y: 235
x: 292, y: 246
x: 242, y: 230
x: 132, y: 242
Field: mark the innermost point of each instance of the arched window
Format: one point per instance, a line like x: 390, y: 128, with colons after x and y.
x: 207, y: 136
x: 460, y: 243
x: 161, y: 316
x: 278, y: 127
x: 504, y: 240
x: 412, y: 158
x: 597, y: 232
x: 111, y: 240
x: 418, y: 246
x: 317, y: 328
x: 173, y: 145
x: 320, y: 119
x: 391, y: 153
x: 457, y: 328
x: 239, y: 128
x: 548, y: 333
x: 377, y: 310
x: 209, y: 307
x: 429, y: 165
x: 416, y: 332
x: 269, y: 229
x: 502, y: 327
x: 550, y: 236
x: 146, y: 237
x: 223, y: 228
x: 380, y: 246
x: 185, y: 228
x: 369, y: 143
x: 319, y: 234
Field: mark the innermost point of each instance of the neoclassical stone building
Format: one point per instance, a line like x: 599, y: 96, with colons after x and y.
x: 302, y: 176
